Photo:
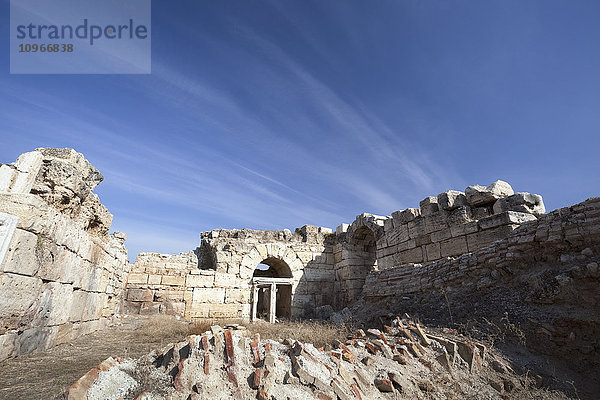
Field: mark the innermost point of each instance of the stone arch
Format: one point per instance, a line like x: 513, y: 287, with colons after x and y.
x: 361, y: 251
x: 276, y: 253
x: 286, y: 264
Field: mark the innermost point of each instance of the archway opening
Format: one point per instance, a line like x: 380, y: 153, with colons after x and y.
x: 271, y: 285
x: 363, y: 259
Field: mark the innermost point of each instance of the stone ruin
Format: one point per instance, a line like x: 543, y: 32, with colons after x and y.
x: 63, y: 275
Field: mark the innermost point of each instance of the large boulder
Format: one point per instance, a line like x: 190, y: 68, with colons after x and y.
x: 521, y: 202
x: 487, y: 195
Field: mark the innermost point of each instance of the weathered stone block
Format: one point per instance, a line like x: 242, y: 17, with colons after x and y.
x: 432, y: 252
x: 18, y: 295
x: 521, y: 202
x: 135, y: 278
x: 429, y: 206
x: 21, y: 257
x: 454, y: 246
x: 481, y: 239
x: 436, y: 222
x: 140, y: 295
x: 405, y: 216
x: 200, y: 280
x: 486, y: 195
x: 505, y: 218
x: 451, y: 200
x: 481, y: 212
x: 170, y: 280
x: 225, y: 280
x: 237, y: 296
x: 209, y: 295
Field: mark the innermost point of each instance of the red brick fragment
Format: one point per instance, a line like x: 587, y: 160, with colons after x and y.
x: 256, y: 380
x: 206, y: 363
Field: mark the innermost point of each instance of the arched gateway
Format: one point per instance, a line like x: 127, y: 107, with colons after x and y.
x: 272, y: 280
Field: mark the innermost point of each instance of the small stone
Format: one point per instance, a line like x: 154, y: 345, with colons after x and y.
x: 384, y: 385
x: 368, y: 360
x: 399, y: 359
x: 498, y: 366
x: 426, y: 386
x: 592, y: 268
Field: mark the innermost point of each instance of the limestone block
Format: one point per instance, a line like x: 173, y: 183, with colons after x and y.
x: 27, y: 166
x: 521, y: 202
x: 197, y: 310
x: 486, y: 195
x: 429, y: 206
x: 409, y: 256
x: 35, y: 338
x: 409, y: 244
x: 464, y: 229
x: 405, y: 216
x: 200, y: 280
x: 173, y: 280
x: 30, y: 209
x: 139, y: 295
x: 416, y: 228
x: 388, y: 225
x: 237, y: 296
x: 460, y: 215
x: 54, y: 305
x: 454, y: 246
x: 136, y: 278
x: 505, y: 218
x: 481, y: 212
x: 432, y: 252
x: 8, y: 227
x: 209, y: 295
x: 93, y: 306
x: 441, y: 235
x: 226, y: 311
x: 154, y: 279
x: 169, y: 294
x: 451, y: 200
x: 17, y: 295
x: 436, y: 222
x: 7, y: 345
x: 91, y: 176
x: 484, y: 238
x: 7, y: 176
x: 225, y: 280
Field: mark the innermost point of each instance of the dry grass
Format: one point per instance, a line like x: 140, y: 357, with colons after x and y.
x: 318, y: 333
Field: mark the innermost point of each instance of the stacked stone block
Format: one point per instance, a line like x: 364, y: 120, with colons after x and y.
x: 215, y: 281
x: 62, y: 274
x: 570, y: 229
x: 454, y: 223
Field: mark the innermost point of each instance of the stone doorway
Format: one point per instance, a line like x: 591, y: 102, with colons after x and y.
x: 272, y: 291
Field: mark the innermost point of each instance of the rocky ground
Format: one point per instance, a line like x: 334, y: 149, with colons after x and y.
x: 402, y: 360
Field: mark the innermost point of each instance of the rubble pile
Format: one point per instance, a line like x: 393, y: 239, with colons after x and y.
x: 400, y: 361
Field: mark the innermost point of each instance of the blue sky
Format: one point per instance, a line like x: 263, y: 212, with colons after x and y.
x: 276, y: 114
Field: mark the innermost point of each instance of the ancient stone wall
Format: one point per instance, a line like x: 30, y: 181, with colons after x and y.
x: 215, y: 281
x: 326, y: 269
x: 538, y: 286
x: 61, y: 273
x: 451, y: 224
x: 540, y: 240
